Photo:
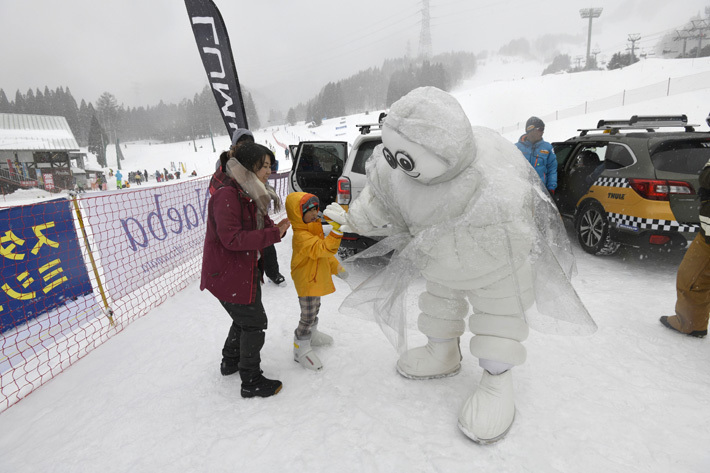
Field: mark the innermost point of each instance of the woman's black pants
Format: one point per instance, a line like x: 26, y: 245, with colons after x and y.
x: 246, y: 335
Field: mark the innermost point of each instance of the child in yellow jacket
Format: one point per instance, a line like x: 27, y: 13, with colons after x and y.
x: 313, y: 264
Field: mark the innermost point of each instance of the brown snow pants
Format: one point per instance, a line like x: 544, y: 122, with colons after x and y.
x: 693, y: 287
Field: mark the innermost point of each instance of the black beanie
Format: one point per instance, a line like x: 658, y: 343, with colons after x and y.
x: 534, y: 122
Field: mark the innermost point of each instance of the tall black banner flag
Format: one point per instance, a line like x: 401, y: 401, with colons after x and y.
x: 216, y: 53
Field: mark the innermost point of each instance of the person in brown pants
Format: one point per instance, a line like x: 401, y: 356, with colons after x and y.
x: 692, y: 306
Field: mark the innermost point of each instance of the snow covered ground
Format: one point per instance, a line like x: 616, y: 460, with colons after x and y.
x: 633, y: 397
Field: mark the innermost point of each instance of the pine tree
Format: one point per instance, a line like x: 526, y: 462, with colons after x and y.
x: 86, y: 112
x: 401, y: 83
x: 20, y: 106
x: 66, y: 107
x: 561, y: 62
x: 317, y: 112
x: 41, y: 106
x: 5, y: 105
x: 53, y: 99
x: 97, y: 141
x: 107, y: 109
x: 290, y: 116
x: 250, y: 109
x: 331, y: 101
x: 30, y: 103
x: 619, y: 60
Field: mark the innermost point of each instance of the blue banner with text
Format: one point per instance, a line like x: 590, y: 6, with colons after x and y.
x: 41, y: 262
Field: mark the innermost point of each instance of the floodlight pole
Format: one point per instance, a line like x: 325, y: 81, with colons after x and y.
x: 590, y: 13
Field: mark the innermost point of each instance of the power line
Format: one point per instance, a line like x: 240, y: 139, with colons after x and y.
x: 305, y: 66
x: 354, y: 42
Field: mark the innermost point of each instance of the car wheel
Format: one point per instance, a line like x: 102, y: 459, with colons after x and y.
x: 592, y: 227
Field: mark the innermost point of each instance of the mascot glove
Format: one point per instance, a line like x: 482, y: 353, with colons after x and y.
x: 334, y: 224
x: 336, y: 213
x: 342, y: 274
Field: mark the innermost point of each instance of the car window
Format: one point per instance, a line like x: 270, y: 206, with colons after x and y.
x: 321, y: 157
x: 587, y: 159
x: 562, y: 151
x: 618, y: 156
x: 364, y: 152
x: 688, y: 156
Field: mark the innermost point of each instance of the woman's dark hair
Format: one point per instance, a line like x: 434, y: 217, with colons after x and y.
x: 251, y: 156
x: 271, y: 156
x: 223, y: 158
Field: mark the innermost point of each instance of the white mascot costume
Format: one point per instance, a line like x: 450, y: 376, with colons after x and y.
x: 463, y: 209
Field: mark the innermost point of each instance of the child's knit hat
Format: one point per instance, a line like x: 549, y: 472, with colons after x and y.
x: 308, y: 202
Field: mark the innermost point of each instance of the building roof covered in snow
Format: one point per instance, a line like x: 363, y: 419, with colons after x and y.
x: 19, y: 132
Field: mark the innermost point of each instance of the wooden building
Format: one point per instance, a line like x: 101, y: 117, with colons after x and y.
x: 36, y: 151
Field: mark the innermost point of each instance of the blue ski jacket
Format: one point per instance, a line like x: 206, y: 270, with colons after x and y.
x: 542, y: 157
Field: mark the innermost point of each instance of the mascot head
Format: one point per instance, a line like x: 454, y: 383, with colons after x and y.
x: 428, y: 136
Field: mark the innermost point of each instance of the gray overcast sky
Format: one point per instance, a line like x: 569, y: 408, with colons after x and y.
x: 143, y: 51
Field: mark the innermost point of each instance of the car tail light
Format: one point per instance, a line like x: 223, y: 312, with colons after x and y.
x: 659, y: 239
x: 343, y: 197
x: 653, y: 189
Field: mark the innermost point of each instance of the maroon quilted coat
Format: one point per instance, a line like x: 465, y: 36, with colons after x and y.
x: 229, y: 261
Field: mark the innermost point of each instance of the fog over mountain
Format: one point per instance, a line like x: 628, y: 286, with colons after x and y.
x: 285, y: 52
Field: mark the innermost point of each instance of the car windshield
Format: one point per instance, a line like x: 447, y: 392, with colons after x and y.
x: 687, y: 156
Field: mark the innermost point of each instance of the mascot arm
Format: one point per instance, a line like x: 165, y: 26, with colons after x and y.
x: 369, y: 216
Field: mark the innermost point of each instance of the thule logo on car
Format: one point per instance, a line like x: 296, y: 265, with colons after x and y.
x: 613, y: 195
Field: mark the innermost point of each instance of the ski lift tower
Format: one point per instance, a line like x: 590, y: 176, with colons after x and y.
x: 590, y: 13
x: 425, y: 34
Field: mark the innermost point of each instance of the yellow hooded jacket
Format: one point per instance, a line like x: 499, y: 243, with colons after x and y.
x: 313, y: 260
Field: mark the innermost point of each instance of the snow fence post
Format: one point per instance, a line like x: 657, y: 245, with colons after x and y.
x: 106, y: 308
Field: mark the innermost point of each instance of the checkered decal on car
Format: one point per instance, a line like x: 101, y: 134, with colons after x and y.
x: 621, y: 220
x: 651, y: 223
x: 612, y: 182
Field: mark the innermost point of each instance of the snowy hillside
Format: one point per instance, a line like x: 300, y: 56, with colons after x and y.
x: 633, y: 397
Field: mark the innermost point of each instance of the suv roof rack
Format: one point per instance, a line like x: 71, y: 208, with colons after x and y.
x: 641, y: 122
x: 365, y: 127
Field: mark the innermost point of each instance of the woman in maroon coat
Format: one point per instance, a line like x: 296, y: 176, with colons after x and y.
x: 238, y: 228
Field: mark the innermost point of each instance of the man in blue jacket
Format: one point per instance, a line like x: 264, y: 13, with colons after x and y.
x: 539, y: 153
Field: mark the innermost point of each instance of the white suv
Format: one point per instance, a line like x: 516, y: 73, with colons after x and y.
x: 322, y: 168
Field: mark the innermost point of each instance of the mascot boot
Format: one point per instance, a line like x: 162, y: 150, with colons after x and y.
x: 488, y: 413
x: 441, y: 320
x: 439, y: 358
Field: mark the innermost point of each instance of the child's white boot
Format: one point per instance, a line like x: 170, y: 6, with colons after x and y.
x: 488, y: 414
x: 303, y: 354
x: 439, y: 358
x: 318, y: 338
